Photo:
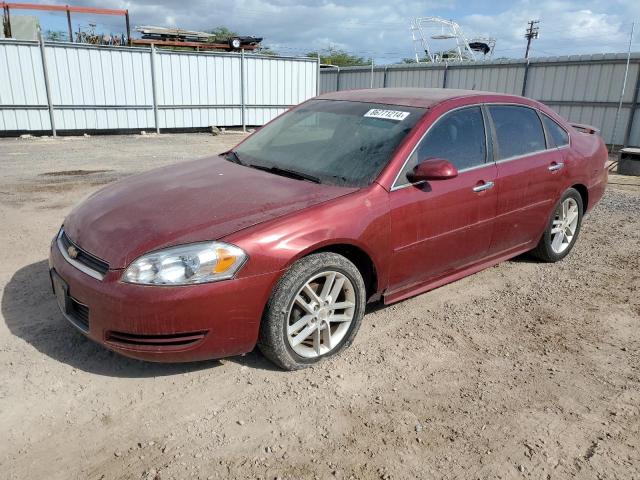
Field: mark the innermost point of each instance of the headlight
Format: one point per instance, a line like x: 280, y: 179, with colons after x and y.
x: 187, y: 264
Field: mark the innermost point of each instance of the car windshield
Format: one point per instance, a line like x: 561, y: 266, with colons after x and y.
x: 327, y: 141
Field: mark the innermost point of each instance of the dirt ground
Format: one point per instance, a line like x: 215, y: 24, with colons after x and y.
x: 524, y: 370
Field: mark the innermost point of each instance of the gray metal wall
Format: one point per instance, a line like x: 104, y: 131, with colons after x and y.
x: 102, y: 88
x: 583, y: 89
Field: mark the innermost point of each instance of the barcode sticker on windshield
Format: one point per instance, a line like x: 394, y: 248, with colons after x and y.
x: 396, y: 115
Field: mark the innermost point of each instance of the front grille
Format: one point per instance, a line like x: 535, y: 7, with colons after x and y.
x: 84, y: 257
x: 170, y: 341
x: 79, y: 313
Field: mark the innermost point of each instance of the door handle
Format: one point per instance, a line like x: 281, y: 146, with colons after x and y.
x: 483, y: 187
x: 555, y: 166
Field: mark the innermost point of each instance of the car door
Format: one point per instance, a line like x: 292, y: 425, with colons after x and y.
x: 529, y: 176
x: 440, y: 226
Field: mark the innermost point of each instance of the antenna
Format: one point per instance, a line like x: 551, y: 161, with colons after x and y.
x: 532, y: 32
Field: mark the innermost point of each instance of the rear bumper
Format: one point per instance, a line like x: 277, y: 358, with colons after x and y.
x: 597, y: 188
x: 167, y: 324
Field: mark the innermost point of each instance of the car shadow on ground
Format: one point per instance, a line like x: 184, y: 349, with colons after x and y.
x: 526, y: 257
x: 31, y: 313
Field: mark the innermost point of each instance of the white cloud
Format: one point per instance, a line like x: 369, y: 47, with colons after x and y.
x: 565, y: 27
x: 380, y: 28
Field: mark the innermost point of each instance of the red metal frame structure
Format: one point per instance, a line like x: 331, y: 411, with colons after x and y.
x: 6, y: 7
x: 194, y: 45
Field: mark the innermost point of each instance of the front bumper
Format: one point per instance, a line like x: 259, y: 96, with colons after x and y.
x: 166, y: 324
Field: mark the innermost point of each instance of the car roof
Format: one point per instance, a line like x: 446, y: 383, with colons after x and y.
x: 410, y: 97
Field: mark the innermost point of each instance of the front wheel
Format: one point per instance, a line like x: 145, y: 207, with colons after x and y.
x: 314, y: 311
x: 563, y: 228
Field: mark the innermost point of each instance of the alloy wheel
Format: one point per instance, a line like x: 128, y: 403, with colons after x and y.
x: 564, y: 225
x: 321, y: 314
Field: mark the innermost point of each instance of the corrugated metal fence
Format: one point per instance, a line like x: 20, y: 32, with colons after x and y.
x: 584, y: 89
x: 83, y: 87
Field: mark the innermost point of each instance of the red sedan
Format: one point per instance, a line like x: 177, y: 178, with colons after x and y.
x: 350, y: 197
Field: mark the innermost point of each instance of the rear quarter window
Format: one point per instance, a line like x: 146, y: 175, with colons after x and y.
x: 518, y: 130
x: 559, y: 135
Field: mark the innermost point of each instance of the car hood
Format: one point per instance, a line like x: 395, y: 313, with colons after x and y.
x: 200, y: 200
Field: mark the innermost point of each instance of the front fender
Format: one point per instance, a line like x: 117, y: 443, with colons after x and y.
x: 360, y: 220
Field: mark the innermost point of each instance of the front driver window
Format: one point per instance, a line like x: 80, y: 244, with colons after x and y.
x: 458, y: 136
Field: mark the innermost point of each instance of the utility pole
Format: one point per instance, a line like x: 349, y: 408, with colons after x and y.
x: 532, y: 32
x: 624, y: 86
x: 6, y: 21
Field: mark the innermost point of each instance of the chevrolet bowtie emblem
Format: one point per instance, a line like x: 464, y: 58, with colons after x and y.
x: 72, y: 251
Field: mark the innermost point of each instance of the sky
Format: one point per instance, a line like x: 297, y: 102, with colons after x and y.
x: 380, y: 28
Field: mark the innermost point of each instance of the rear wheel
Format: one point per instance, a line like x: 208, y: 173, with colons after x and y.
x: 314, y: 311
x: 563, y: 228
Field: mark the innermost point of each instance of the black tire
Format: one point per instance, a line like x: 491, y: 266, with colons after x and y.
x: 235, y: 43
x: 273, y: 340
x: 543, y: 250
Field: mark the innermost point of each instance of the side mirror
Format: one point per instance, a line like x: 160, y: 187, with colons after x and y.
x: 432, y: 169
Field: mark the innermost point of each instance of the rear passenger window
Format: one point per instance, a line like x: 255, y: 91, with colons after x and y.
x: 558, y: 134
x: 458, y: 137
x: 518, y: 130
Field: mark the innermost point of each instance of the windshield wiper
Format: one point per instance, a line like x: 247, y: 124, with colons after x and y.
x: 233, y: 157
x: 286, y: 173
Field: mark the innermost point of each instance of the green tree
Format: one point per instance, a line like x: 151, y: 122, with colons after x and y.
x: 56, y: 36
x: 223, y: 34
x: 424, y: 59
x: 266, y: 51
x: 339, y: 58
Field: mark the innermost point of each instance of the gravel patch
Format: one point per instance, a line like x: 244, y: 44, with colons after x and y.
x: 522, y: 370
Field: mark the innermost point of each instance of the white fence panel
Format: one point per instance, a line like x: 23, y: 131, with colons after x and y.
x: 198, y: 79
x: 23, y: 119
x: 22, y: 88
x: 272, y: 81
x: 85, y: 76
x: 198, y: 90
x: 107, y: 88
x: 21, y: 76
x: 262, y: 115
